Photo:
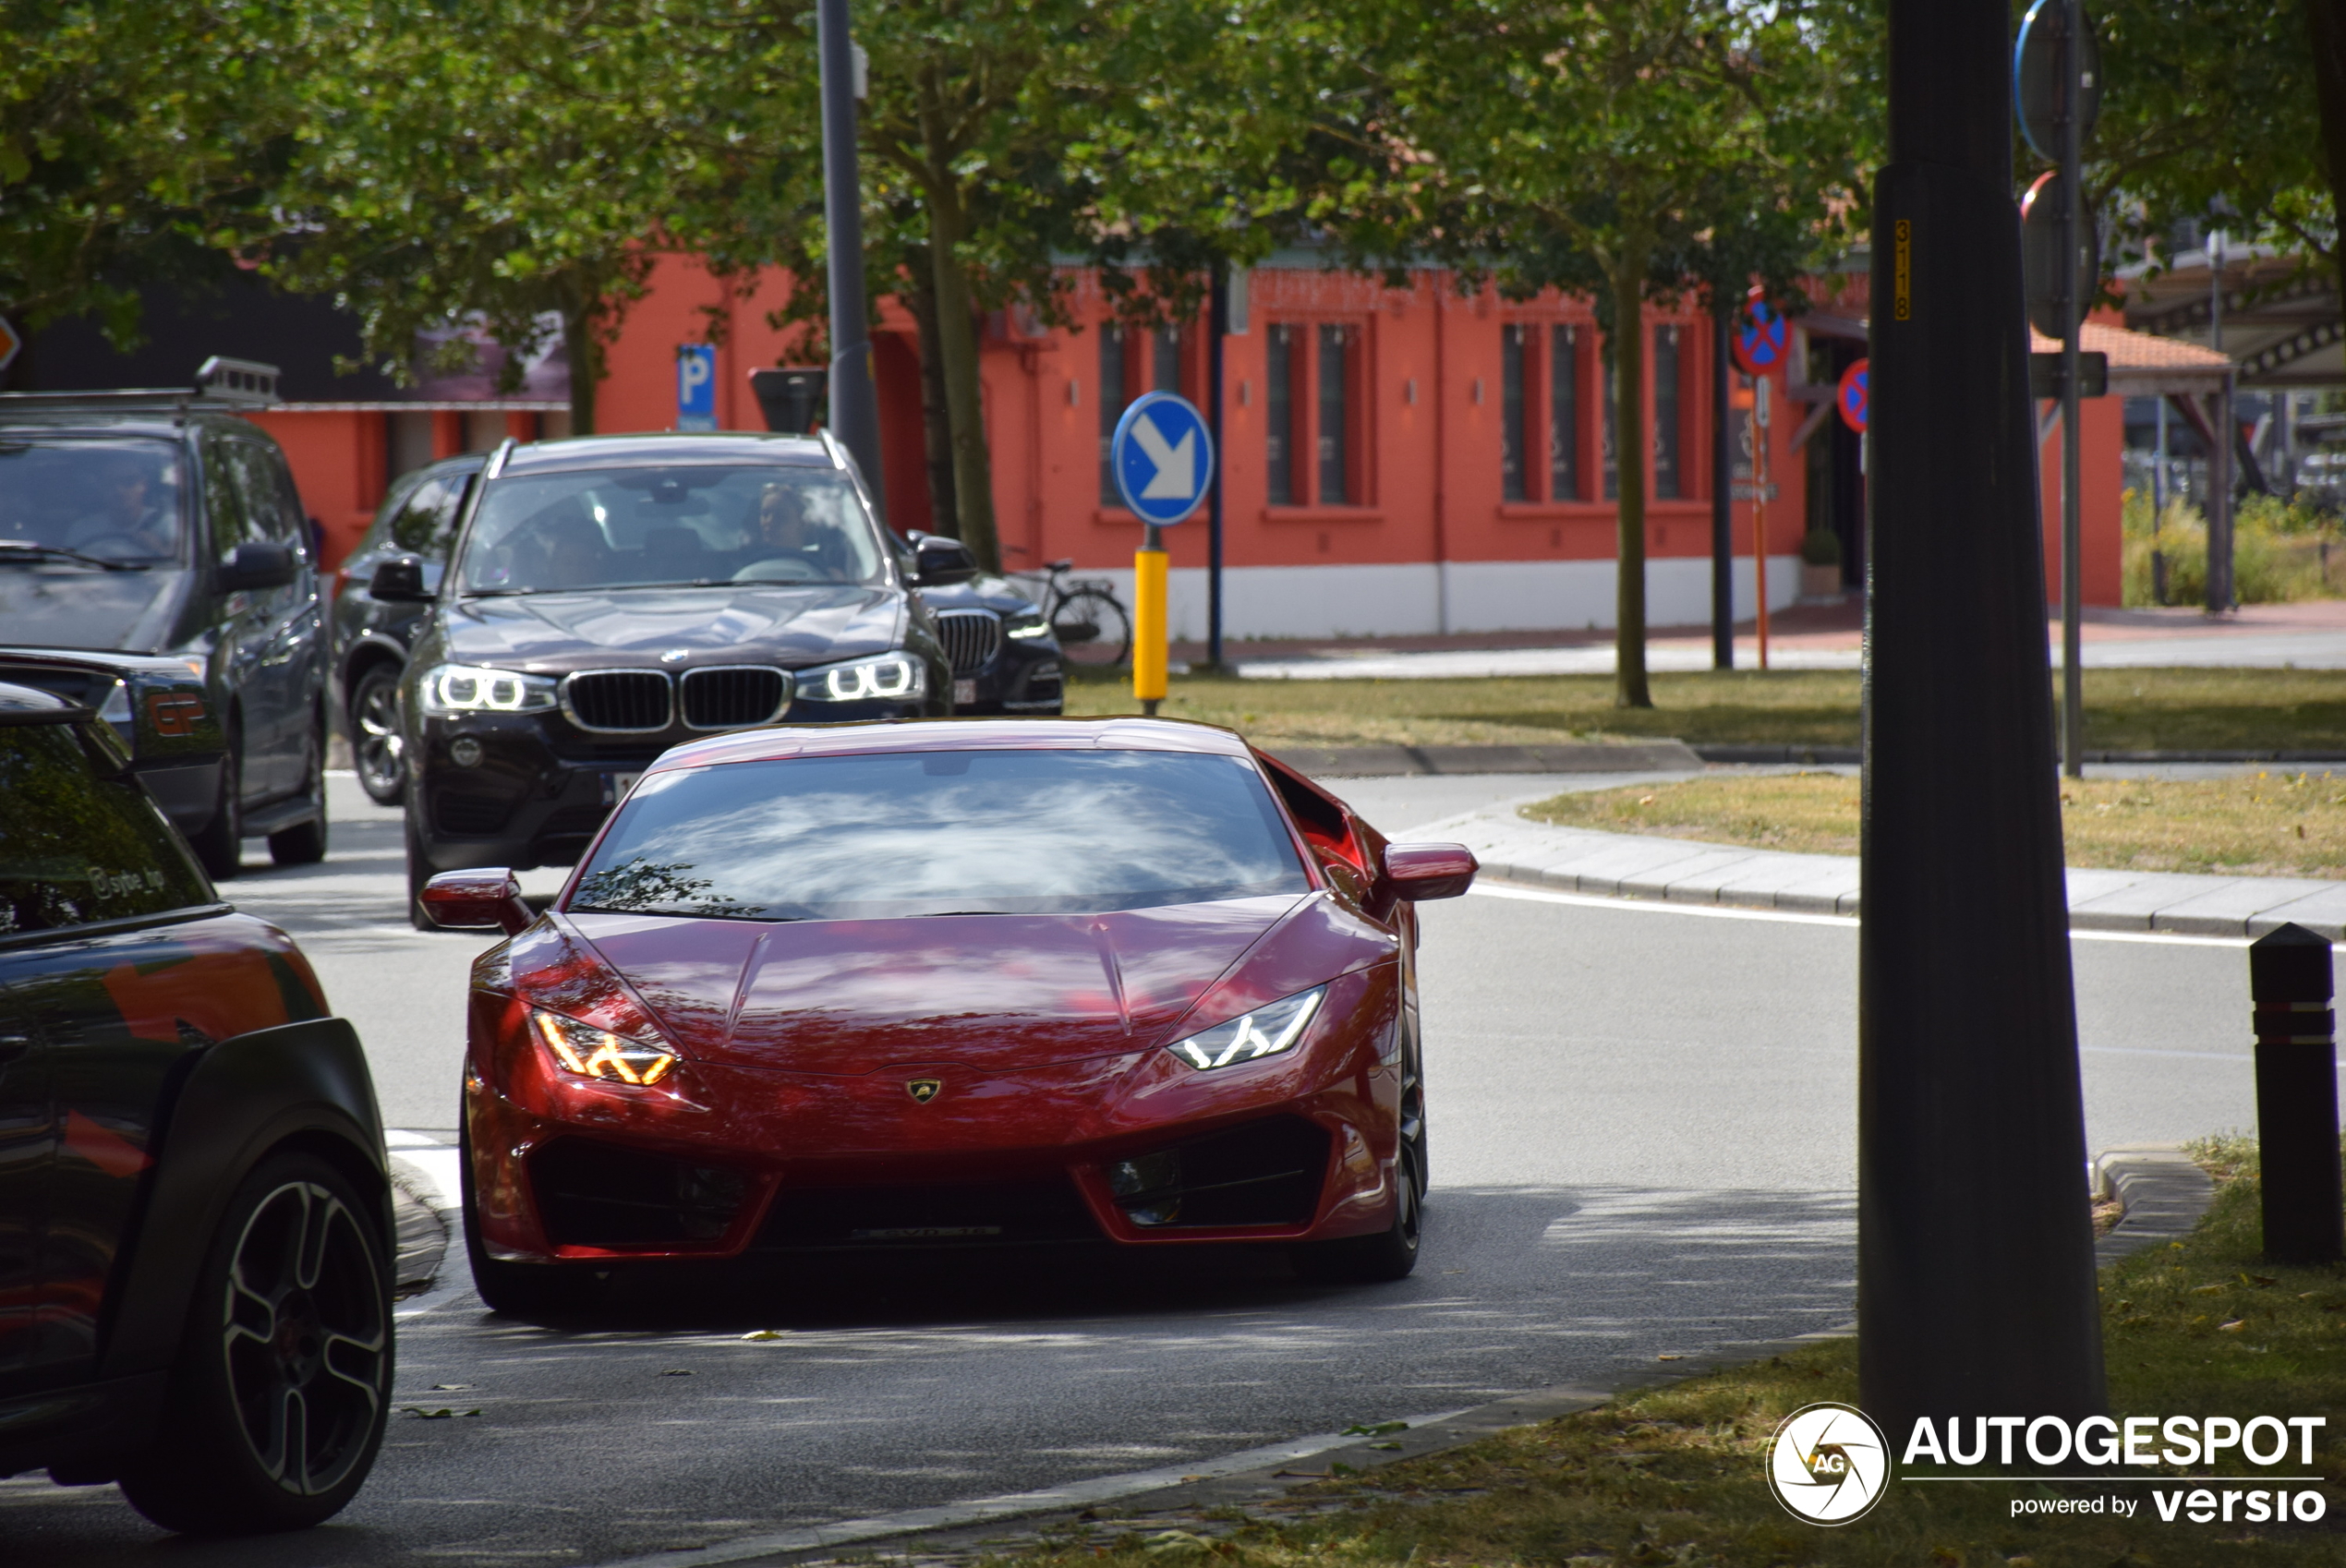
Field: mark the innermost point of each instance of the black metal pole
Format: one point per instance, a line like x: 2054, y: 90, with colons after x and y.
x: 1975, y: 1248
x: 854, y: 399
x: 1217, y: 329
x: 2291, y: 984
x: 1722, y: 473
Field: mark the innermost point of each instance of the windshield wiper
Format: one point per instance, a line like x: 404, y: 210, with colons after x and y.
x: 24, y: 550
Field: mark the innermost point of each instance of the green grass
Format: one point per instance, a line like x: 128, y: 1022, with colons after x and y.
x: 2274, y: 822
x: 2126, y: 709
x: 1673, y: 1476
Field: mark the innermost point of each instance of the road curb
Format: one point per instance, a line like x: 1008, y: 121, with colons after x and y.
x: 1399, y: 761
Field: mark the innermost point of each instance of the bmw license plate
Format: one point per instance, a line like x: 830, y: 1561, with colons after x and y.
x: 964, y: 692
x: 616, y: 784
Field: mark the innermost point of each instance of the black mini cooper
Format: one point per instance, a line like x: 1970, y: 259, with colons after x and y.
x: 195, y: 1217
x: 609, y: 597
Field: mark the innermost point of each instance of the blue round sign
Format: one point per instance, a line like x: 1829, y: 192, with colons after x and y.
x: 1162, y: 456
x: 1762, y: 338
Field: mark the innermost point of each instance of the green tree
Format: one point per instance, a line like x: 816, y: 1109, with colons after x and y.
x: 517, y: 163
x: 2223, y: 116
x: 1630, y: 150
x: 132, y: 133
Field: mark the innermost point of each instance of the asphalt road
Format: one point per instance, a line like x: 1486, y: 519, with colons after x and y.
x: 1643, y: 1135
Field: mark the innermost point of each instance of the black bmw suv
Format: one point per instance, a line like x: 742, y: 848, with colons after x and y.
x: 161, y: 523
x: 609, y: 597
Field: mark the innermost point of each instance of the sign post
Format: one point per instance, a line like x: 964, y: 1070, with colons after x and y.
x: 1162, y: 455
x: 1763, y: 343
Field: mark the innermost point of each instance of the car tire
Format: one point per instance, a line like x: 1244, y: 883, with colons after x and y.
x: 521, y: 1290
x: 221, y: 843
x: 1390, y: 1254
x: 305, y: 842
x: 278, y: 1398
x: 377, y: 749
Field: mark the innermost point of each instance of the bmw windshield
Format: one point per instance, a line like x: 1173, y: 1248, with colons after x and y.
x: 681, y: 524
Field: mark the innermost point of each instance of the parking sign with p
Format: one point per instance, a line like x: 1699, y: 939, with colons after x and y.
x: 697, y: 387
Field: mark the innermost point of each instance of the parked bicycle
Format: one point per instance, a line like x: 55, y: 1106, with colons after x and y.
x: 1093, y: 627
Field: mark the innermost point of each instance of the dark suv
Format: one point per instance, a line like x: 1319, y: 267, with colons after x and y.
x: 609, y: 597
x: 371, y: 637
x: 161, y: 523
x: 194, y: 1216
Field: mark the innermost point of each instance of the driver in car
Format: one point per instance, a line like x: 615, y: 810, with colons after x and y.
x: 135, y: 515
x: 784, y: 534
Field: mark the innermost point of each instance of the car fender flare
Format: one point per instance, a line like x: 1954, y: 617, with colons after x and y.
x: 368, y: 649
x: 302, y: 1085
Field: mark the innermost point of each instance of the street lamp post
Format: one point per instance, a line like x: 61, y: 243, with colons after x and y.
x: 1974, y: 1259
x: 854, y: 399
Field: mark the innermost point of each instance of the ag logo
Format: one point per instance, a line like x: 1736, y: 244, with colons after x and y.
x: 1828, y: 1464
x: 922, y: 1090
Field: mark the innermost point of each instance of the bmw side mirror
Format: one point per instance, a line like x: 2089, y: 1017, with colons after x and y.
x: 477, y: 900
x: 258, y: 563
x: 937, y: 561
x: 399, y: 580
x: 1429, y: 871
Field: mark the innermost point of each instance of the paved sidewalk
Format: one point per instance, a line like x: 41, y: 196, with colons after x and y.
x: 1577, y: 859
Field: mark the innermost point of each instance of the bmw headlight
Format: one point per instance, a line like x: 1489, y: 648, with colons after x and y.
x: 882, y: 676
x: 1265, y: 1031
x: 589, y: 1051
x: 467, y: 688
x: 1028, y: 624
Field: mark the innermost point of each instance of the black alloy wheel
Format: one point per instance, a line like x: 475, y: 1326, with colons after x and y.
x: 305, y: 842
x: 377, y: 748
x: 283, y: 1381
x: 221, y: 843
x: 1388, y: 1255
x: 521, y: 1290
x: 1092, y: 629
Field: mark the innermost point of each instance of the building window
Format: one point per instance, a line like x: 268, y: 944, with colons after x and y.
x: 1563, y: 413
x: 1513, y: 414
x: 1279, y: 415
x: 1335, y: 364
x: 1666, y: 413
x: 1112, y: 404
x: 1168, y: 360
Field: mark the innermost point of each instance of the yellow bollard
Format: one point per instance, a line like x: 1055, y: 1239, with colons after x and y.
x: 1148, y: 623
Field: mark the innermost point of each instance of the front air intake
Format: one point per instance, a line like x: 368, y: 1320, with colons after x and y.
x: 618, y: 702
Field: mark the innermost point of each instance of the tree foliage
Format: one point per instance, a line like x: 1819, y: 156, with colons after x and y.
x: 1629, y: 151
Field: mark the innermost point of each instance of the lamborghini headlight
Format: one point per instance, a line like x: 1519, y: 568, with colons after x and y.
x: 888, y: 675
x: 589, y: 1051
x: 1265, y: 1031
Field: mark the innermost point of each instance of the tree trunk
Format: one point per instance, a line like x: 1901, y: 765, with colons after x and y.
x: 957, y: 354
x: 937, y: 420
x: 2326, y: 23
x: 1629, y: 689
x: 583, y: 346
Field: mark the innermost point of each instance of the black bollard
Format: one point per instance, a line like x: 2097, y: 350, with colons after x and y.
x: 2290, y: 985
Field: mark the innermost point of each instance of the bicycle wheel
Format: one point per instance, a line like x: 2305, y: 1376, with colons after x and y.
x: 1092, y: 628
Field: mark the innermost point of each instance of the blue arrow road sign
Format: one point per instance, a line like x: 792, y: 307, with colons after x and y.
x: 697, y: 387
x: 1163, y: 458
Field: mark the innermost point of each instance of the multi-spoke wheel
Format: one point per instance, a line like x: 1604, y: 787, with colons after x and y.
x: 376, y: 748
x: 283, y: 1381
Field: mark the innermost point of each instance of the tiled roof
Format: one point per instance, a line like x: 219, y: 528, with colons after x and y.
x: 2135, y: 351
